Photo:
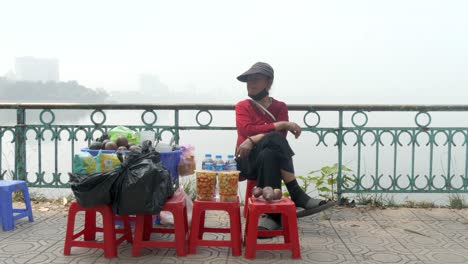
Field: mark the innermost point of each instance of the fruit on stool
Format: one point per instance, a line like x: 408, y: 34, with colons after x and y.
x: 122, y: 141
x: 104, y: 143
x: 95, y: 145
x: 268, y: 193
x: 257, y: 192
x: 277, y: 194
x: 111, y: 146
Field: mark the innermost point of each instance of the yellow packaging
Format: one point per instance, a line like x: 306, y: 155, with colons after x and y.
x: 89, y: 162
x: 84, y: 163
x: 108, y: 162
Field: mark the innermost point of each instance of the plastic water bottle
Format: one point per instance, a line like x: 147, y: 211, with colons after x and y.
x: 231, y: 164
x: 207, y: 163
x: 219, y: 163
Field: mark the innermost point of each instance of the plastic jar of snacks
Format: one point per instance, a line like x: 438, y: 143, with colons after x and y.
x: 228, y: 185
x: 206, y: 182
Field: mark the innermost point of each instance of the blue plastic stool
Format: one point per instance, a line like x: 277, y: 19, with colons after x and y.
x: 8, y: 214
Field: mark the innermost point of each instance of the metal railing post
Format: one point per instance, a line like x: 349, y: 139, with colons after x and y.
x: 20, y: 145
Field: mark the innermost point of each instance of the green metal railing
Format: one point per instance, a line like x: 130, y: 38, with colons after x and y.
x: 377, y: 181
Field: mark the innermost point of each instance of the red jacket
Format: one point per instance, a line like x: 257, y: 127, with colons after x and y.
x: 251, y: 121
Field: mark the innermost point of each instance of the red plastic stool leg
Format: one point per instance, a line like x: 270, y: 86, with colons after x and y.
x: 138, y: 237
x: 148, y: 225
x: 248, y: 194
x: 110, y: 246
x: 251, y: 235
x: 293, y: 234
x: 234, y: 217
x: 180, y: 234
x: 128, y: 229
x: 90, y: 225
x: 285, y: 222
x: 70, y: 230
x: 186, y: 221
x: 195, y: 228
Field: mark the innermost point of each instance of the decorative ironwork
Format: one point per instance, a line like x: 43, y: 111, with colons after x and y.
x: 358, y: 138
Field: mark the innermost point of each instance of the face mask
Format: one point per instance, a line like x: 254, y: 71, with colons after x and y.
x: 260, y: 95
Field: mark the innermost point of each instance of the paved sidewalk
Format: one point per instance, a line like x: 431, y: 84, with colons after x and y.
x: 342, y: 235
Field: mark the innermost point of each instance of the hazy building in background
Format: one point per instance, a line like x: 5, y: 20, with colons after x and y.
x: 36, y: 69
x: 150, y: 84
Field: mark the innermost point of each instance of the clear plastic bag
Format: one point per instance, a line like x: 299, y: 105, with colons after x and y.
x: 167, y: 218
x: 187, y: 162
x: 119, y: 131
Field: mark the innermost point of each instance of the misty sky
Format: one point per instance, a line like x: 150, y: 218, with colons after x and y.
x: 359, y: 51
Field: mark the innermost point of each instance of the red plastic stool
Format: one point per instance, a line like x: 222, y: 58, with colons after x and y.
x: 144, y: 227
x: 198, y: 226
x: 287, y: 209
x: 110, y: 242
x: 248, y: 193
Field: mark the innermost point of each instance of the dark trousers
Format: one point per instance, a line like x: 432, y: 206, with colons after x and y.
x: 266, y: 160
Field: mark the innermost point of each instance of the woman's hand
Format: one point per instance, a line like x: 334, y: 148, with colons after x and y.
x: 244, y: 149
x: 294, y: 128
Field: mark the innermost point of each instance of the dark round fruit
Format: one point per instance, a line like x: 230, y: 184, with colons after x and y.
x: 268, y: 196
x: 277, y: 194
x: 257, y: 192
x: 95, y: 145
x: 104, y: 143
x: 122, y: 141
x: 111, y: 146
x: 268, y: 193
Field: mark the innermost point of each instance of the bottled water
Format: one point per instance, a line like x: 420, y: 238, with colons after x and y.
x: 219, y: 163
x: 231, y: 164
x: 207, y: 163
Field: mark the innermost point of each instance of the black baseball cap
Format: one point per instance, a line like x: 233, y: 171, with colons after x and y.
x: 259, y: 67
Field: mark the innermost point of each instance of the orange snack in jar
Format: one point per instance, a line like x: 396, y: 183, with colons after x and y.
x: 228, y: 185
x: 206, y: 182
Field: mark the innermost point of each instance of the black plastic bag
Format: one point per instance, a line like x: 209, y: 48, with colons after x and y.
x: 141, y: 185
x: 144, y: 184
x: 93, y: 189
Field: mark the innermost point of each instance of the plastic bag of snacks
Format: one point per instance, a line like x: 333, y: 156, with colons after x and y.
x: 84, y: 163
x: 228, y: 185
x: 108, y: 162
x: 186, y: 164
x: 206, y: 183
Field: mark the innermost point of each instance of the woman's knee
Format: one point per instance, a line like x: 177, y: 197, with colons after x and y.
x: 267, y: 155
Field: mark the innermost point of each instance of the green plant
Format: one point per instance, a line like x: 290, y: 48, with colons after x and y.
x: 425, y: 204
x: 390, y: 201
x: 18, y: 196
x: 190, y: 186
x: 410, y: 204
x: 456, y: 201
x: 363, y: 199
x: 372, y: 200
x: 324, y: 180
x: 419, y: 204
